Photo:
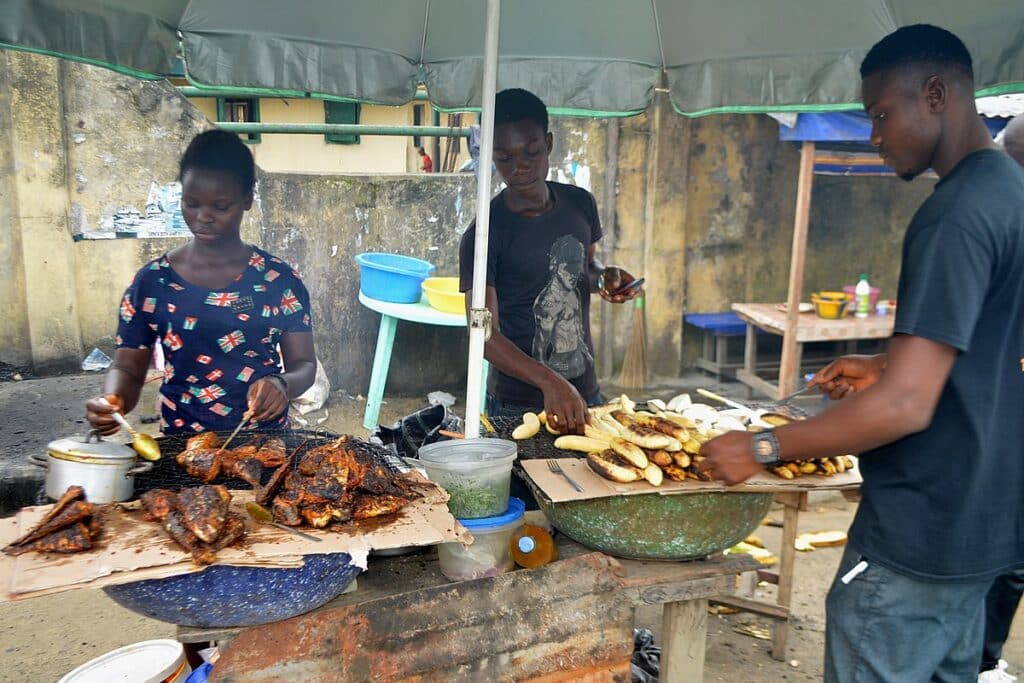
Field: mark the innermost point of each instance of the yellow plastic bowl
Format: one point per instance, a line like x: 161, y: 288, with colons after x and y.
x: 830, y: 305
x: 444, y: 295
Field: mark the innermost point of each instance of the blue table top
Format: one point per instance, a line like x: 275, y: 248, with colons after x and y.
x: 420, y: 312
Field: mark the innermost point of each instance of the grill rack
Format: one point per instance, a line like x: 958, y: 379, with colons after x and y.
x: 167, y: 474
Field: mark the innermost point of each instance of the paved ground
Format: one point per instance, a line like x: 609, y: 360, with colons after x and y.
x: 45, y: 637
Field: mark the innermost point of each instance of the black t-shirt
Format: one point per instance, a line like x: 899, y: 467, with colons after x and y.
x: 539, y: 269
x: 947, y: 503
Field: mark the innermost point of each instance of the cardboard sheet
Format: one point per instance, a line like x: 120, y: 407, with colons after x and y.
x: 556, y: 489
x: 132, y: 549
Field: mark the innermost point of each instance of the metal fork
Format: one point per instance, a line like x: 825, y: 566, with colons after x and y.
x: 557, y: 469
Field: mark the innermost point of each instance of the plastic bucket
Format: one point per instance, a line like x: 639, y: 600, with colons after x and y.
x: 490, y: 553
x: 151, y: 661
x: 392, y: 277
x: 476, y: 473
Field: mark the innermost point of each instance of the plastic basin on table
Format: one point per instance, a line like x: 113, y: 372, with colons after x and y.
x: 392, y: 277
x: 443, y: 294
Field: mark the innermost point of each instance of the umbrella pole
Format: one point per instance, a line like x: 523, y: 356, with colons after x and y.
x: 479, y: 316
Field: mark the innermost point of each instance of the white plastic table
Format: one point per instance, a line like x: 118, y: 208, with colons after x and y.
x: 390, y: 314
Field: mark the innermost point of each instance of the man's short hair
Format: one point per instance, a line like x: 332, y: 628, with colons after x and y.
x: 219, y: 150
x: 918, y: 45
x: 516, y: 104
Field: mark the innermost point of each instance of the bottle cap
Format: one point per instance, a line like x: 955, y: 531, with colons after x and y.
x: 863, y: 276
x: 527, y: 544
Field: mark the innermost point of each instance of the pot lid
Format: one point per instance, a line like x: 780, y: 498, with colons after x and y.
x: 91, y: 447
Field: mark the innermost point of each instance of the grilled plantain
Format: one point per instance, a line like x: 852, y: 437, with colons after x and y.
x: 644, y: 436
x: 653, y: 474
x: 583, y: 444
x: 660, y: 424
x: 593, y: 431
x: 630, y: 451
x: 682, y: 459
x: 529, y: 427
x: 659, y: 457
x: 612, y: 466
x: 783, y: 472
x: 675, y: 473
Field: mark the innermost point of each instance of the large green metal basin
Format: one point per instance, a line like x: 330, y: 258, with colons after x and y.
x: 659, y: 527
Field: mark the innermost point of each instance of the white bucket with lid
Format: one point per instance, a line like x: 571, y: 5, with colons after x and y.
x: 151, y: 661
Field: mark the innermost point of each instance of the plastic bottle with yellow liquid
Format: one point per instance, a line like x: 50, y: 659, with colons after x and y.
x: 532, y: 547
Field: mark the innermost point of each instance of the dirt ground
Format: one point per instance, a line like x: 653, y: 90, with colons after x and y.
x: 43, y: 638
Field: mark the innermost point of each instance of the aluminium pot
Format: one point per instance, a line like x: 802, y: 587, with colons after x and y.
x: 105, y: 469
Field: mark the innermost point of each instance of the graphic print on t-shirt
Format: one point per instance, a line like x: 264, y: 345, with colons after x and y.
x: 558, y: 339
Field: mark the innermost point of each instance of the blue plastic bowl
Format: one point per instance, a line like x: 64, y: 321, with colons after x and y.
x: 392, y: 277
x: 224, y: 596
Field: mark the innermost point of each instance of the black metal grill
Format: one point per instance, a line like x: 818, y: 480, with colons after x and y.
x: 167, y: 474
x: 540, y: 446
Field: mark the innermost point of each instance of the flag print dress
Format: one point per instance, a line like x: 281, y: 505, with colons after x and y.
x: 216, y: 342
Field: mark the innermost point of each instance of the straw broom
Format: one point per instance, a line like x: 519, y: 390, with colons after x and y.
x: 634, y: 364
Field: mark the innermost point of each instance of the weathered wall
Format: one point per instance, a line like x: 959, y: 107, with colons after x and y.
x: 15, y: 344
x: 319, y: 223
x: 703, y: 208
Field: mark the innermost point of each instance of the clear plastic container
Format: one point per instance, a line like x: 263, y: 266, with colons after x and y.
x: 476, y: 473
x: 490, y: 553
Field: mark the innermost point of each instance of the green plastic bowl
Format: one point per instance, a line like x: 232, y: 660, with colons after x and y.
x: 660, y: 527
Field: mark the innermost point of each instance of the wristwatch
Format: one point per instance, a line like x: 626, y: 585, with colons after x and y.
x: 766, y: 447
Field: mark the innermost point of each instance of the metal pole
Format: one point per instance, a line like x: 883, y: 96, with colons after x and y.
x: 341, y: 128
x: 245, y: 93
x: 479, y: 318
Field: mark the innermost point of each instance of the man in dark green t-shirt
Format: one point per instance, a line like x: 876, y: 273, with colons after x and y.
x: 937, y: 420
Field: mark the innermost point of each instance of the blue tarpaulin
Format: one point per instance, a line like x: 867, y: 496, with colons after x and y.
x: 851, y: 132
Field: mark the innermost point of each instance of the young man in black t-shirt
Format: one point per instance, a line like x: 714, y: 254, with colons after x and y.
x: 542, y: 267
x: 937, y: 420
x: 1005, y: 594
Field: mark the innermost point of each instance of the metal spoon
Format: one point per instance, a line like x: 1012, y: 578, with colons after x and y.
x: 144, y: 444
x: 263, y: 516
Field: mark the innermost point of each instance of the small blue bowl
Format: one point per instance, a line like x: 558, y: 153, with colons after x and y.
x: 223, y: 596
x: 392, y: 277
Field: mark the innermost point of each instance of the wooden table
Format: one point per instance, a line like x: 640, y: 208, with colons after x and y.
x: 810, y: 328
x: 390, y: 314
x: 569, y: 620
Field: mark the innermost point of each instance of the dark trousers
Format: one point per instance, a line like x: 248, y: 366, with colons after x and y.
x: 1000, y: 606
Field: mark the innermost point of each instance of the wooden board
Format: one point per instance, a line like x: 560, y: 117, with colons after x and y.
x: 811, y: 328
x: 557, y: 489
x: 132, y: 549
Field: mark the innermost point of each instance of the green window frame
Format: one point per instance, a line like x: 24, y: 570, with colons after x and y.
x: 240, y: 110
x: 341, y: 112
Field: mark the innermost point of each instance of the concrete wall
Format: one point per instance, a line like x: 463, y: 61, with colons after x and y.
x: 703, y: 208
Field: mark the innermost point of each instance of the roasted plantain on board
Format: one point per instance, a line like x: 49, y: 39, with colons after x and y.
x: 613, y: 466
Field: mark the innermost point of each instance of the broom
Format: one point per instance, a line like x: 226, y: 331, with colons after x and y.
x: 634, y: 364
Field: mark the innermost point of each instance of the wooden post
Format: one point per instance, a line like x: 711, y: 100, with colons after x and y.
x: 684, y: 628
x: 789, y: 366
x: 792, y: 503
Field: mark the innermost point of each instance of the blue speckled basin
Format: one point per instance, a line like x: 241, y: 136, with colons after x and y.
x: 224, y: 595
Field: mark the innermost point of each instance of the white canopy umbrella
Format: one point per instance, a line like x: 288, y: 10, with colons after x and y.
x: 586, y: 56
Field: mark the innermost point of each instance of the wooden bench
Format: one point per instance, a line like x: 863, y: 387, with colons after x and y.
x: 716, y: 330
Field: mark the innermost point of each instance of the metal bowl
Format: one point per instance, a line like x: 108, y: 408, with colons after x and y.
x: 223, y: 596
x: 660, y: 527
